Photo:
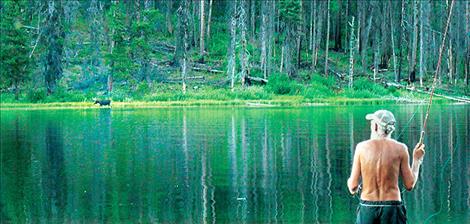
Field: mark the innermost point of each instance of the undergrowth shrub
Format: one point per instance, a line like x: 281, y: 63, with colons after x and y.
x: 280, y: 83
x: 364, y: 88
x: 36, y: 95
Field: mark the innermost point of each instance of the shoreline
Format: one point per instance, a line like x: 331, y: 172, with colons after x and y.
x: 294, y: 102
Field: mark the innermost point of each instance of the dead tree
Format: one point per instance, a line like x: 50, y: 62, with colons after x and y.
x: 233, y: 41
x: 327, y: 37
x: 351, y: 53
x: 201, y: 31
x: 183, y: 31
x: 243, y: 42
x: 209, y: 19
x: 264, y: 37
x: 414, y: 44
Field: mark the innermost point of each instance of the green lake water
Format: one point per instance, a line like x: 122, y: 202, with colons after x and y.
x: 217, y: 165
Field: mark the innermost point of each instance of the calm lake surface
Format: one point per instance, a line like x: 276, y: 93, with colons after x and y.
x: 208, y: 165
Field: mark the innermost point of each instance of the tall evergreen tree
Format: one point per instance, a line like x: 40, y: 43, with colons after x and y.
x: 118, y: 57
x: 290, y: 16
x: 96, y: 31
x: 14, y: 50
x: 55, y: 44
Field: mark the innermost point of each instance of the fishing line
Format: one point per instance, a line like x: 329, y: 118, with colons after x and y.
x: 440, y: 191
x: 407, y: 124
x: 441, y: 49
x: 421, y: 139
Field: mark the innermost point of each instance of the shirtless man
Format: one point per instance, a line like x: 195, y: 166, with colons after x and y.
x: 378, y: 162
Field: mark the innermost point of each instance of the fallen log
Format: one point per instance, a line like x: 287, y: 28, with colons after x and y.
x: 257, y: 79
x: 199, y: 77
x: 393, y: 84
x: 208, y: 69
x: 164, y: 46
x: 459, y: 99
x: 414, y: 89
x: 339, y: 75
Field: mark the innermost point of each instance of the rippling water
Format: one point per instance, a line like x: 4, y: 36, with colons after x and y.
x: 207, y: 165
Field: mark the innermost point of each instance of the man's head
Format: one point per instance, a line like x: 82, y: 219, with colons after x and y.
x: 382, y: 123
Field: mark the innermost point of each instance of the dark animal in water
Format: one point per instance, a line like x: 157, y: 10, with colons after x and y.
x: 103, y: 102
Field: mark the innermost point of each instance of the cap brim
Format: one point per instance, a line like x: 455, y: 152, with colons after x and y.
x: 370, y: 117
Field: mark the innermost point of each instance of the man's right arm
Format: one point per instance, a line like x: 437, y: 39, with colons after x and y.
x: 353, y: 181
x: 410, y: 175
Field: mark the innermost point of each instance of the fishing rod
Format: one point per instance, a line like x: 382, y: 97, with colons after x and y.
x: 441, y: 49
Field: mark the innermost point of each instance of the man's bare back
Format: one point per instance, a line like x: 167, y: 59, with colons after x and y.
x: 380, y: 168
x: 379, y: 162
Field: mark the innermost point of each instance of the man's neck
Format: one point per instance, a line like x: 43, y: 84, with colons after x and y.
x: 379, y: 136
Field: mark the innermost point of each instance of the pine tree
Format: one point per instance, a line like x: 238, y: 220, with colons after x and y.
x: 141, y: 49
x: 96, y: 31
x: 290, y: 16
x: 14, y: 50
x: 118, y: 57
x: 55, y: 36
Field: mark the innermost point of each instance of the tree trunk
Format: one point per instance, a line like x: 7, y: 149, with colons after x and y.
x: 327, y: 37
x: 299, y: 36
x: 346, y: 35
x: 319, y: 33
x: 193, y: 35
x: 270, y: 36
x: 209, y: 19
x: 169, y: 23
x: 310, y: 42
x: 400, y: 39
x: 365, y: 42
x: 110, y: 84
x: 313, y: 18
x: 376, y: 55
x: 233, y: 37
x: 263, y: 36
x: 201, y: 31
x: 338, y: 44
x: 467, y: 41
x: 288, y: 49
x: 252, y: 18
x: 351, y: 54
x: 282, y: 59
x: 423, y: 37
x: 244, y: 51
x: 414, y: 44
x: 392, y: 38
x: 183, y: 30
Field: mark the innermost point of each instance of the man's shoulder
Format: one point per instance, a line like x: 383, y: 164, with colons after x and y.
x: 363, y: 145
x: 400, y: 145
x: 371, y: 143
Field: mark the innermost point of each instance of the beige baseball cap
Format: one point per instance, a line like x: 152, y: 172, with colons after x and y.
x: 383, y: 118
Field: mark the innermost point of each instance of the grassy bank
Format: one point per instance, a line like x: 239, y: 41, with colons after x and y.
x: 290, y: 101
x: 280, y: 91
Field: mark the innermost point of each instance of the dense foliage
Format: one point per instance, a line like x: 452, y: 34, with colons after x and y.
x: 14, y: 50
x: 57, y: 50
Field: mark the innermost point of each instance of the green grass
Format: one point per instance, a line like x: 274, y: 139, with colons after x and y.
x: 280, y: 90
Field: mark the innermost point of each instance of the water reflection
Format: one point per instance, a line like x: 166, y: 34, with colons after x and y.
x: 215, y: 165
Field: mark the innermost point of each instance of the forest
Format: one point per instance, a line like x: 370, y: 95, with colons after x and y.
x: 162, y: 50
